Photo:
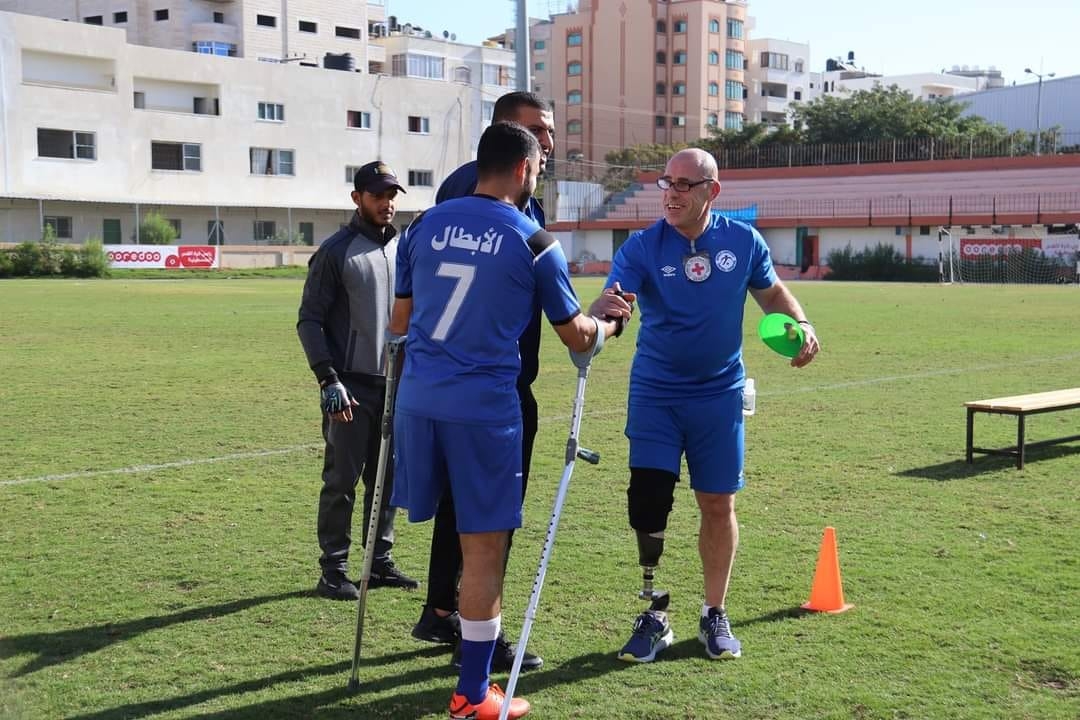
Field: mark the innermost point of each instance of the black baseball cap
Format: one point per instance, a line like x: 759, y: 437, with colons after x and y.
x: 375, y: 177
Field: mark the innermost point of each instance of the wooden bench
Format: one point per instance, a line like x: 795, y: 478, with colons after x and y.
x: 1021, y: 406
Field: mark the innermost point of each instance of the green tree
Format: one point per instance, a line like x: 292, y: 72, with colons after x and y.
x: 624, y: 164
x: 887, y: 114
x: 156, y: 230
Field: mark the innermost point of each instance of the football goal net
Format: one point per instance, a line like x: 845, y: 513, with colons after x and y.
x: 999, y: 254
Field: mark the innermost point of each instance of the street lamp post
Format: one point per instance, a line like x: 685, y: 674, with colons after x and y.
x: 1038, y: 108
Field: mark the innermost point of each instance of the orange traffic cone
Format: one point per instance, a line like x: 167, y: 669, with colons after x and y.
x: 827, y: 594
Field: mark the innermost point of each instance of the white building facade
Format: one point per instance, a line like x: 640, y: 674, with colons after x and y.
x: 95, y: 132
x: 778, y: 74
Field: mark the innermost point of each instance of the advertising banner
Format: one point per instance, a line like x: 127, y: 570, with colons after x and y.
x: 173, y: 257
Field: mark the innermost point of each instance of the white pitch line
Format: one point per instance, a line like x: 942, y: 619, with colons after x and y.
x: 159, y: 466
x: 548, y: 419
x: 862, y: 383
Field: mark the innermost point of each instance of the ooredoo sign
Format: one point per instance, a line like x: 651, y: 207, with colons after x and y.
x: 163, y: 256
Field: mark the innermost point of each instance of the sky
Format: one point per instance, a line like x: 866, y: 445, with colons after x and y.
x: 891, y: 38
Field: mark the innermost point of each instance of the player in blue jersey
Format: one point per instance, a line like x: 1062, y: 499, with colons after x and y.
x: 691, y: 272
x: 467, y: 274
x: 438, y: 620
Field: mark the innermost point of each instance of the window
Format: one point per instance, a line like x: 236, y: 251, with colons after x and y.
x: 734, y: 28
x: 573, y: 68
x: 307, y: 26
x: 714, y: 25
x: 573, y: 97
x: 271, y: 161
x: 94, y: 20
x: 661, y: 26
x: 418, y: 124
x: 264, y: 230
x: 421, y: 178
x: 487, y: 111
x: 733, y: 60
x: 573, y: 127
x: 924, y: 229
x: 679, y: 58
x: 733, y: 90
x: 714, y: 89
x: 539, y: 66
x: 799, y: 66
x: 776, y: 61
x: 350, y: 173
x: 661, y: 121
x: 714, y: 58
x: 679, y: 26
x: 678, y: 121
x: 119, y: 18
x: 274, y: 112
x: 713, y: 120
x: 219, y: 18
x: 68, y: 144
x: 492, y: 74
x: 573, y: 39
x: 176, y: 156
x: 212, y: 47
x: 266, y: 20
x: 661, y: 89
x: 733, y: 120
x: 661, y: 57
x: 60, y: 225
x: 678, y: 88
x: 160, y: 15
x: 175, y: 222
x: 431, y: 67
x: 798, y: 94
x: 347, y: 32
x: 358, y: 119
x: 539, y: 45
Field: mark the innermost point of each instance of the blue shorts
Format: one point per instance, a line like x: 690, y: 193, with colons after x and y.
x: 709, y: 431
x: 479, y: 464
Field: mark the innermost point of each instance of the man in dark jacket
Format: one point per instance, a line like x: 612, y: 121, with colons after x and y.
x: 342, y: 327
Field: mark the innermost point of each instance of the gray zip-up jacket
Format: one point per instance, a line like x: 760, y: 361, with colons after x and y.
x: 346, y: 303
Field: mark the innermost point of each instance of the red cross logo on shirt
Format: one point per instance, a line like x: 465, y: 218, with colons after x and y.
x: 698, y: 268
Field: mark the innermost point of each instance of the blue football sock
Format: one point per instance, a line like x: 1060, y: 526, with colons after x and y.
x: 475, y: 664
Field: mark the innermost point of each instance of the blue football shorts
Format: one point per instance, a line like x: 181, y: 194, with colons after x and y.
x: 479, y: 464
x: 708, y: 430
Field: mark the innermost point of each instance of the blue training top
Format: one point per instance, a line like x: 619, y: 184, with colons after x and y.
x: 473, y: 267
x: 690, y: 341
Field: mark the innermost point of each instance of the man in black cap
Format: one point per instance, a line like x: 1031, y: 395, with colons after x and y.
x: 342, y: 327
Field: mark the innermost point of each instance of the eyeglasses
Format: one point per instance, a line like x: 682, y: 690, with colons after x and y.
x: 666, y: 183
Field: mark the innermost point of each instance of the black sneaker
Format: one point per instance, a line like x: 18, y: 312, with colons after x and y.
x: 432, y: 627
x: 503, y: 658
x: 336, y: 586
x: 385, y: 574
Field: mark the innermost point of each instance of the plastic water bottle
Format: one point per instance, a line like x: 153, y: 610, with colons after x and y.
x: 749, y: 398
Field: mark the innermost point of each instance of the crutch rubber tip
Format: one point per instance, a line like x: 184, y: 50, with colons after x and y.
x: 353, y: 687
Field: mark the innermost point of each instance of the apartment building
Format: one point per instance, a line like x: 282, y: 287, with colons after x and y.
x: 488, y: 69
x: 653, y: 71
x: 308, y: 32
x: 778, y: 74
x: 95, y: 132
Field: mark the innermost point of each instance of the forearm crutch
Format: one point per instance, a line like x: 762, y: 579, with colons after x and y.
x: 573, y: 451
x: 394, y: 351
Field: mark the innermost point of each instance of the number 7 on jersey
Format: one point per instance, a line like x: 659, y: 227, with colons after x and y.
x: 464, y: 275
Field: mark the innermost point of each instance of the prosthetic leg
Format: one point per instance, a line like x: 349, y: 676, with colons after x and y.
x: 649, y: 501
x: 650, y: 548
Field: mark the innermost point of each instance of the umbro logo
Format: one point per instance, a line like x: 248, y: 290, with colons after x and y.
x: 668, y: 271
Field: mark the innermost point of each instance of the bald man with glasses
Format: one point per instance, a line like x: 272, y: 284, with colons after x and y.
x: 691, y: 271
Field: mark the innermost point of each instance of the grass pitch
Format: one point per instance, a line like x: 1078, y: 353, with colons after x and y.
x: 159, y: 469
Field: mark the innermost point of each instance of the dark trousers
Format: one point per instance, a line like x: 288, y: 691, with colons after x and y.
x: 444, y: 568
x: 352, y: 452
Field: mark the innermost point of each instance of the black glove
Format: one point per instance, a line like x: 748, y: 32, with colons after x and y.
x: 334, y: 398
